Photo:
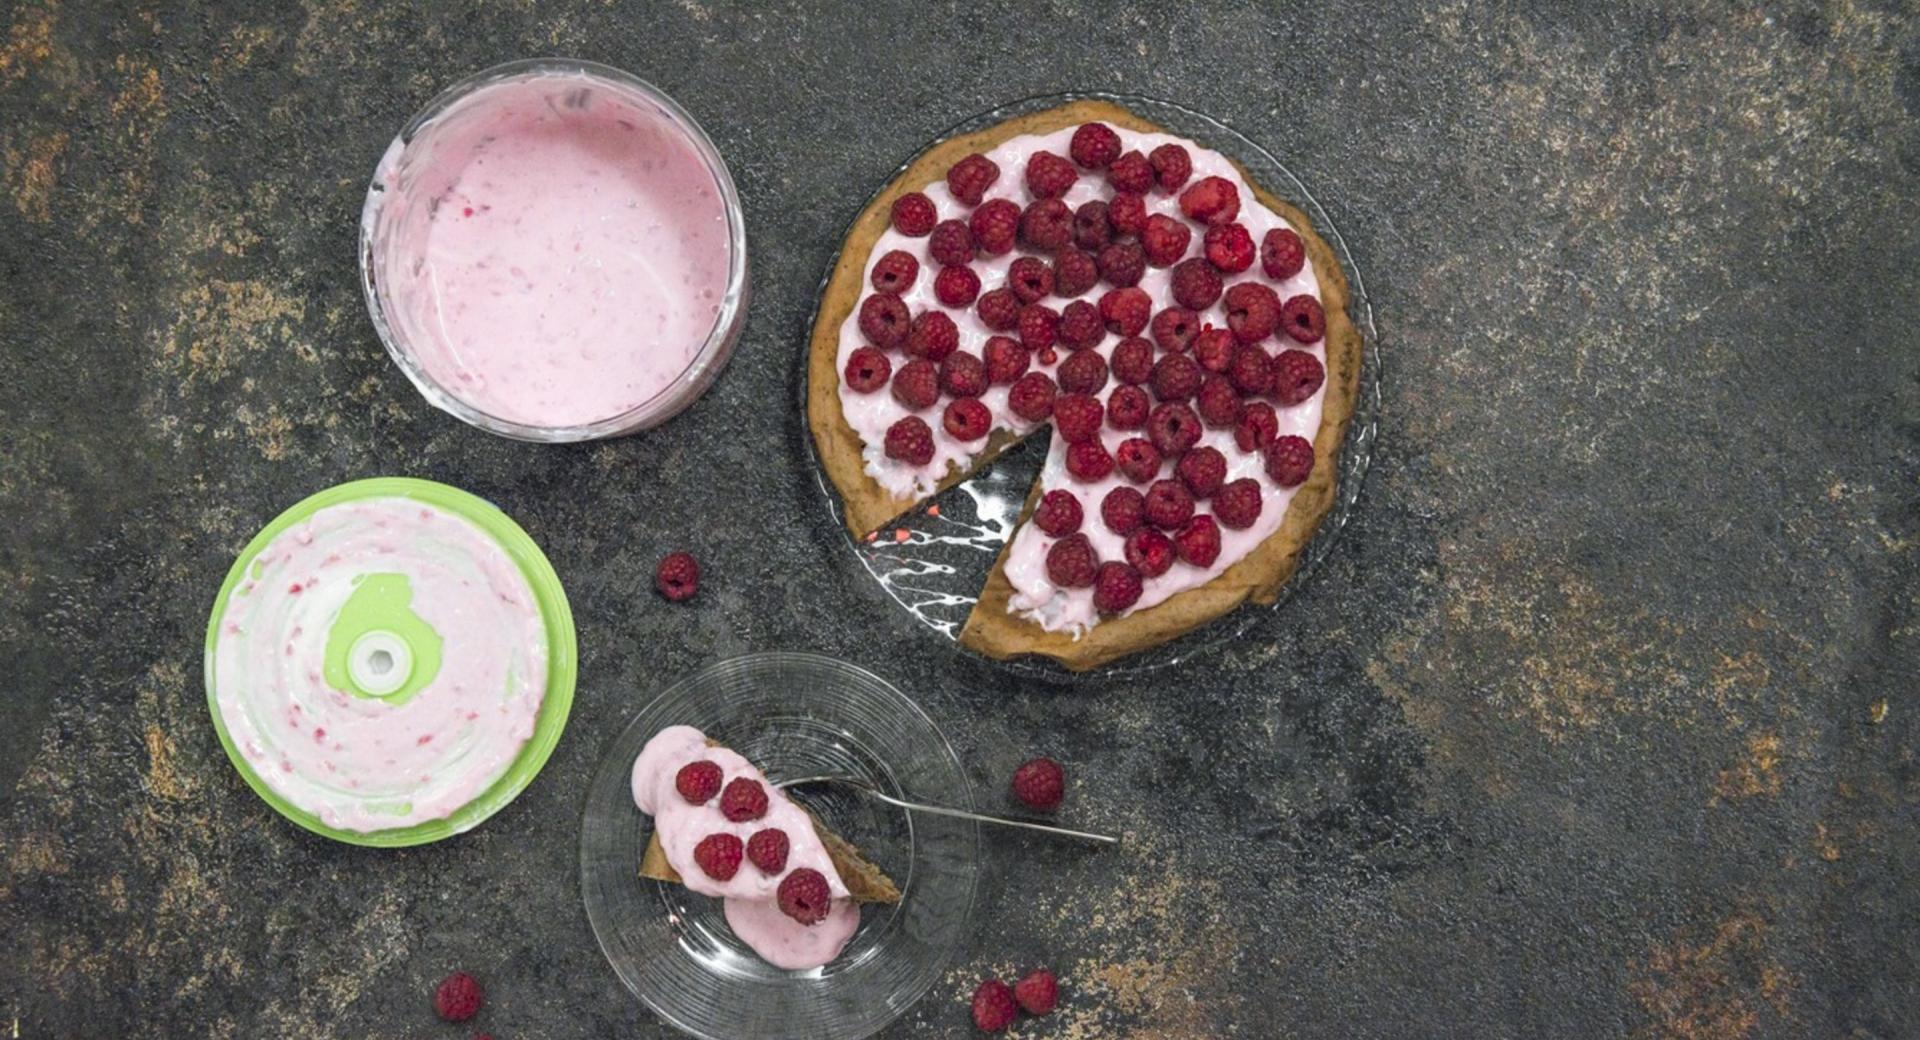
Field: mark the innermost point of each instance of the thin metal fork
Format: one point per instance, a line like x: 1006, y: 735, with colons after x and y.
x: 938, y: 810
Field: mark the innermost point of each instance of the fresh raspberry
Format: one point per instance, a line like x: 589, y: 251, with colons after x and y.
x: 1169, y: 504
x: 1202, y: 470
x: 1303, y: 319
x: 1217, y: 401
x: 1289, y: 460
x: 1150, y: 552
x: 1127, y: 408
x: 1074, y: 272
x: 1091, y: 229
x: 1029, y: 279
x: 698, y: 782
x: 1006, y: 360
x: 1039, y: 326
x: 1081, y: 326
x: 743, y: 799
x: 1173, y: 428
x: 951, y: 243
x: 1089, y: 460
x: 1214, y: 349
x: 1059, y: 513
x: 1127, y: 212
x: 1211, y: 200
x: 917, y: 384
x: 1258, y: 427
x: 956, y: 286
x: 1071, y: 564
x: 1199, y: 541
x: 914, y: 215
x: 999, y: 309
x: 677, y: 577
x: 1040, y: 783
x: 1174, y: 329
x: 1094, y: 146
x: 1122, y: 264
x: 1175, y: 377
x: 1252, y: 370
x: 1138, y: 460
x: 1078, y: 417
x: 1253, y: 310
x: 1123, y: 509
x: 1165, y: 240
x: 1282, y: 254
x: 767, y: 849
x: 1296, y: 375
x: 910, y: 440
x: 1131, y: 172
x: 1132, y: 360
x: 993, y: 1006
x: 963, y: 375
x: 1031, y: 396
x: 1126, y: 311
x: 895, y: 272
x: 1049, y: 176
x: 970, y: 178
x: 933, y: 336
x: 884, y: 320
x: 1237, y: 503
x: 995, y: 226
x: 804, y: 895
x: 967, y: 419
x: 1116, y: 587
x: 867, y: 370
x: 1046, y: 225
x: 1171, y: 166
x: 1229, y: 247
x: 718, y: 856
x: 458, y: 997
x: 1195, y: 284
x: 1083, y: 373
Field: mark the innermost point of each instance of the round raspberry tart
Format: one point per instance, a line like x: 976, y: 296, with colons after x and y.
x: 1180, y: 333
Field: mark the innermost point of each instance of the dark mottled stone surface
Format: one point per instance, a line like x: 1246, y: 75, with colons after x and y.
x: 1597, y: 723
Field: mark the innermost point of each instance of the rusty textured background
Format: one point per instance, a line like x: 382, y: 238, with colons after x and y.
x: 1597, y: 724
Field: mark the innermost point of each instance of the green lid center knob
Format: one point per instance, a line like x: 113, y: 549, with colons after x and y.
x: 378, y: 647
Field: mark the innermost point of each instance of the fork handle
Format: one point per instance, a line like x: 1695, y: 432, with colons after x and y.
x: 940, y: 810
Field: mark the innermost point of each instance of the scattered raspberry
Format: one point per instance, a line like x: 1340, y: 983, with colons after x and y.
x: 967, y: 419
x: 1029, y: 279
x: 1229, y: 247
x: 458, y: 997
x: 963, y: 375
x: 1132, y: 360
x: 1074, y: 272
x: 1169, y: 504
x: 1059, y: 513
x: 1303, y: 319
x: 1083, y: 373
x: 1150, y: 552
x: 1211, y: 200
x: 1031, y: 396
x: 1195, y: 284
x: 1094, y: 146
x: 1202, y: 470
x: 1038, y: 993
x: 1237, y: 503
x: 1253, y: 310
x: 767, y: 849
x: 884, y: 320
x: 718, y: 856
x: 917, y: 384
x: 1089, y: 460
x: 1122, y: 264
x: 698, y: 782
x: 895, y: 272
x: 1252, y: 370
x: 867, y: 370
x: 1132, y: 173
x: 1006, y: 360
x: 1199, y: 541
x: 1217, y: 401
x: 970, y: 178
x: 1078, y: 417
x: 1174, y: 329
x: 1138, y: 460
x: 1039, y: 326
x: 914, y: 215
x: 951, y: 243
x: 1165, y: 240
x: 1046, y: 225
x: 1127, y: 408
x: 1214, y: 348
x: 1081, y: 326
x: 1173, y: 428
x: 993, y: 1006
x: 956, y: 286
x: 1041, y: 783
x: 1295, y: 376
x: 1116, y: 587
x: 1126, y: 311
x: 1123, y: 509
x: 1176, y: 377
x: 1171, y: 166
x: 743, y: 799
x: 933, y: 336
x: 1258, y: 427
x: 1049, y: 176
x: 1127, y: 212
x: 1091, y: 228
x: 677, y: 577
x: 910, y: 440
x: 995, y: 225
x: 1070, y: 564
x: 1289, y: 460
x: 1282, y: 254
x: 805, y: 896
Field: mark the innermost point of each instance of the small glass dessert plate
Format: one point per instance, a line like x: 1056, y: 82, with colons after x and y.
x: 792, y: 715
x: 553, y: 250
